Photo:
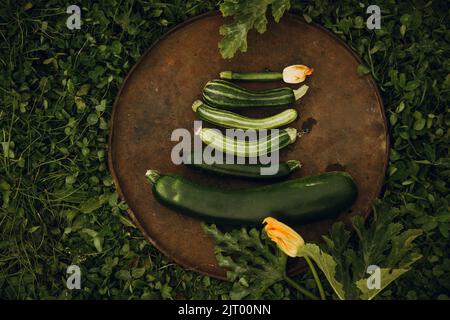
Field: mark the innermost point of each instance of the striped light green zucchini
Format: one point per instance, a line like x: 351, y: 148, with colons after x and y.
x: 243, y: 148
x: 226, y: 95
x: 230, y: 119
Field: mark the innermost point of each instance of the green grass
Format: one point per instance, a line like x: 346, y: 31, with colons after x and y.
x: 57, y: 86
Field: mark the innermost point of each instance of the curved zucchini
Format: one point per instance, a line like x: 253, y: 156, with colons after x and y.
x: 230, y: 119
x: 251, y: 171
x: 226, y: 95
x: 295, y: 201
x: 243, y: 148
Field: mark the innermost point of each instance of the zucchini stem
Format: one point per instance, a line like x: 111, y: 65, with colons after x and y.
x: 196, y: 104
x: 300, y: 92
x: 152, y: 176
x: 316, y: 278
x: 226, y: 75
x: 251, y: 76
x: 293, y: 164
x: 292, y: 133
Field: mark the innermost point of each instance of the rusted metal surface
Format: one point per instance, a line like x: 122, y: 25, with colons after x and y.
x: 343, y: 111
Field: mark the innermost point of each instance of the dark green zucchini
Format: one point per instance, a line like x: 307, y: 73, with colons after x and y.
x: 251, y: 171
x: 296, y: 201
x: 226, y: 95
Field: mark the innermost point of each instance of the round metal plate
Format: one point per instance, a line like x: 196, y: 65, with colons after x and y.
x: 343, y: 111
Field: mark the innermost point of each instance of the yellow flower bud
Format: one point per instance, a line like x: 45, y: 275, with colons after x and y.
x: 296, y: 73
x: 285, y: 237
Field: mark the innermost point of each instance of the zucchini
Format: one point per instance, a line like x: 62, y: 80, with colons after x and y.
x: 251, y: 171
x: 295, y: 201
x: 229, y: 119
x: 226, y: 95
x: 243, y: 148
x: 251, y: 76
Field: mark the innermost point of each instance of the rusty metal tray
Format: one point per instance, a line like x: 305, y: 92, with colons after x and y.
x: 343, y: 111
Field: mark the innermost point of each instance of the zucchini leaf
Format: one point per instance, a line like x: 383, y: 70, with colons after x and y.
x: 247, y: 14
x: 386, y: 275
x: 253, y: 262
x: 383, y: 243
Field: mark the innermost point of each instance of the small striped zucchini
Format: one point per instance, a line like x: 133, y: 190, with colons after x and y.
x: 226, y: 95
x: 243, y: 148
x: 250, y: 171
x: 230, y: 119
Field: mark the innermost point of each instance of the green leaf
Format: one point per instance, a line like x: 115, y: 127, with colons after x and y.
x: 393, y: 118
x: 8, y: 151
x: 127, y: 222
x: 419, y: 124
x: 81, y: 105
x: 90, y: 205
x: 400, y: 107
x: 70, y: 86
x: 403, y: 30
x: 90, y: 232
x: 33, y: 229
x: 98, y: 243
x: 412, y: 85
x: 386, y: 276
x: 4, y: 185
x: 48, y: 61
x: 116, y: 47
x: 84, y: 89
x: 123, y: 275
x: 405, y: 19
x: 402, y: 249
x: 247, y: 15
x: 279, y: 8
x: 326, y: 263
x: 253, y: 262
x: 137, y: 272
x: 307, y: 18
x: 383, y: 243
x: 92, y: 119
x: 234, y: 39
x: 362, y: 70
x: 401, y: 254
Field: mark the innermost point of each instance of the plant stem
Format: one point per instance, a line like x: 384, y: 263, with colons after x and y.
x: 300, y: 92
x: 316, y: 278
x: 152, y: 176
x: 300, y: 288
x: 294, y: 164
x: 251, y: 76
